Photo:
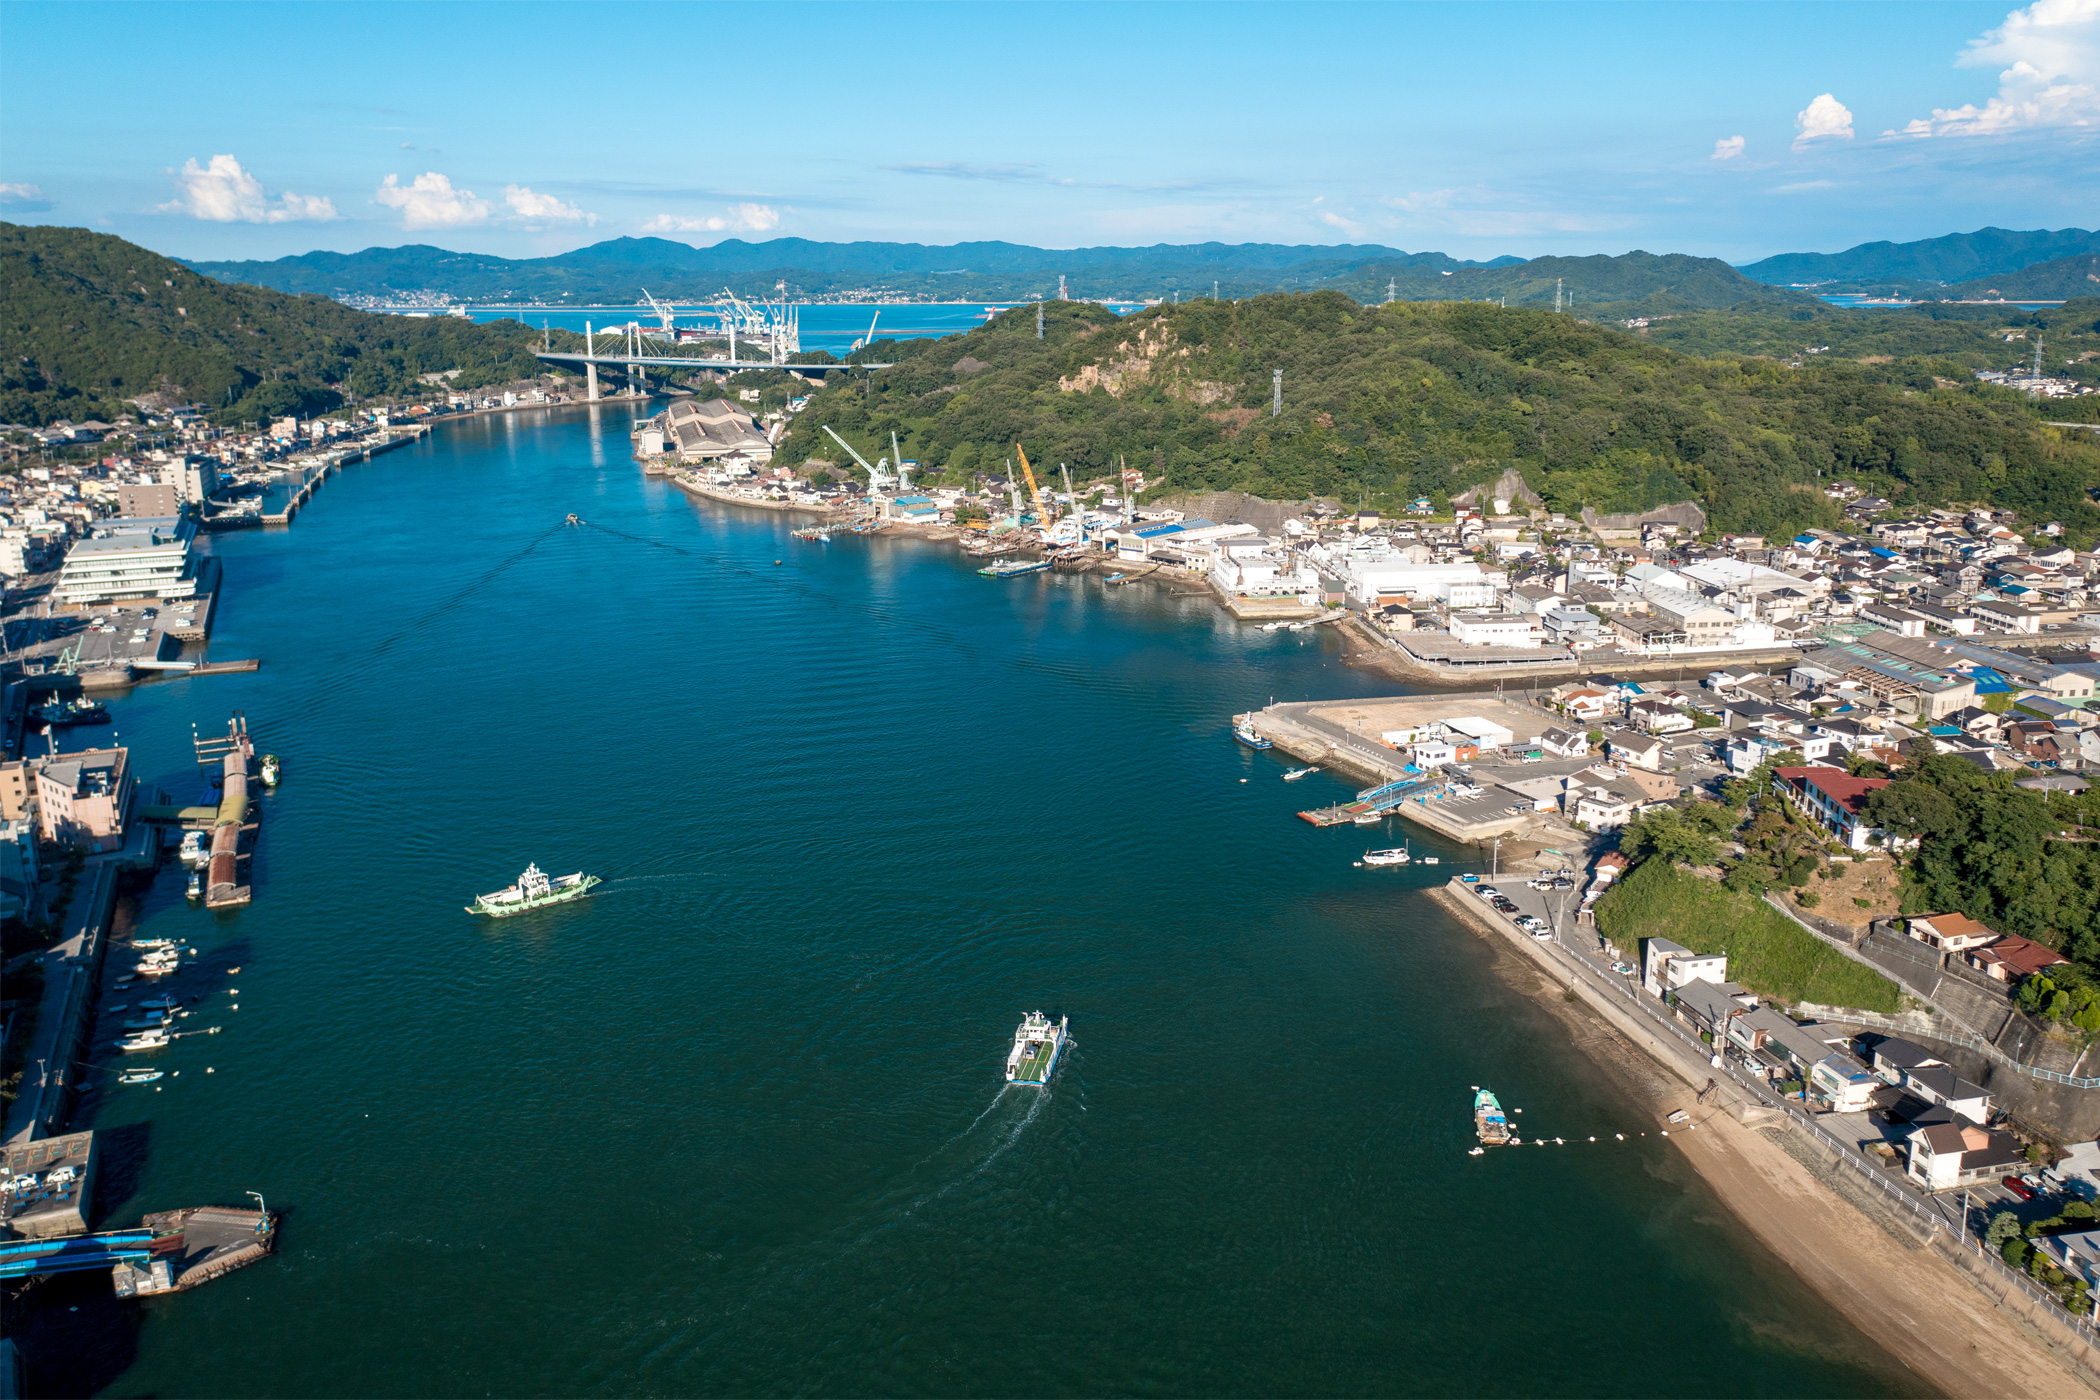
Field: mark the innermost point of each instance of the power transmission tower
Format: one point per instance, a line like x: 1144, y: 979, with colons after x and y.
x: 1276, y: 404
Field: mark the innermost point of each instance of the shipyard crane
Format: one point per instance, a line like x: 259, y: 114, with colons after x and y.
x: 663, y: 313
x: 869, y: 339
x: 878, y: 476
x: 897, y: 457
x: 1035, y: 493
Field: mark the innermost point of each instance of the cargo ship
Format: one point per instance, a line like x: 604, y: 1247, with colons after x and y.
x: 1037, y: 1044
x: 1488, y: 1119
x: 534, y: 890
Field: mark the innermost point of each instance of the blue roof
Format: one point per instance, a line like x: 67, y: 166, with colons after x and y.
x: 1884, y: 553
x: 1989, y: 682
x: 914, y: 500
x: 1153, y: 532
x: 1804, y: 539
x: 1943, y: 731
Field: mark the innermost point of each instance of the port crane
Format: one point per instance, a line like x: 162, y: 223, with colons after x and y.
x: 1035, y: 493
x: 897, y: 458
x: 878, y: 472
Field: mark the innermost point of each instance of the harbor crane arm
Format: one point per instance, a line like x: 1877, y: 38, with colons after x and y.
x: 876, y: 475
x: 1035, y: 493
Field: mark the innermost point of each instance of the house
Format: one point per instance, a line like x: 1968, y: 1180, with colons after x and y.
x: 2013, y: 958
x: 1945, y: 1155
x: 1611, y: 865
x: 1949, y: 933
x: 1836, y: 801
x: 1636, y: 750
x: 1894, y: 1057
x: 1586, y: 704
x: 1658, y: 717
x: 2010, y: 616
x: 2076, y: 1253
x: 1600, y: 802
x: 1937, y: 1084
x: 1667, y: 966
x: 1842, y: 1083
x: 1565, y: 743
x: 1708, y: 1007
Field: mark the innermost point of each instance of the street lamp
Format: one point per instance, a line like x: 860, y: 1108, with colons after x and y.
x: 262, y: 1226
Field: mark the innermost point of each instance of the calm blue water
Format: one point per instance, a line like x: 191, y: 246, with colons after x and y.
x: 832, y: 326
x: 1860, y: 301
x: 735, y: 1125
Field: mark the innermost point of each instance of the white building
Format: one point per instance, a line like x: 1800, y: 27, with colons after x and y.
x: 127, y: 559
x: 1481, y: 629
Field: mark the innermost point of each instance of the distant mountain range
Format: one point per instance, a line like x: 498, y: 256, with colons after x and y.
x: 616, y: 270
x: 2057, y: 280
x: 1955, y: 258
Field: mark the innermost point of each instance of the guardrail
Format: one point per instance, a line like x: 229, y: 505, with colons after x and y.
x: 1930, y: 1210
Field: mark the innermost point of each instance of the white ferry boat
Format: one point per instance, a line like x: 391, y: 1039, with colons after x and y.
x: 1037, y: 1044
x: 534, y: 890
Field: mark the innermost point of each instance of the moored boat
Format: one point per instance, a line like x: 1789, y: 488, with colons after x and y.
x: 1037, y: 1044
x: 1396, y: 855
x: 140, y: 1076
x: 1488, y: 1119
x: 145, y: 1040
x: 1296, y: 773
x: 1014, y: 568
x: 1243, y: 730
x: 195, y: 889
x: 194, y: 850
x: 78, y: 710
x: 534, y: 890
x: 270, y: 769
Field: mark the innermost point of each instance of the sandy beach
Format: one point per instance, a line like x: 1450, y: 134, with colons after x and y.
x: 1871, y: 1266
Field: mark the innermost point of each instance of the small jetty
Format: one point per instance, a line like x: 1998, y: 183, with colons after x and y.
x: 236, y: 819
x: 1371, y: 802
x: 191, y: 1247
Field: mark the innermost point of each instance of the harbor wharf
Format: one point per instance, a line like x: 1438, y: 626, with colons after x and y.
x: 1900, y: 1263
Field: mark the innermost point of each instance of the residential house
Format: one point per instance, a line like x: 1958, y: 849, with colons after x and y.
x: 1565, y: 743
x: 1587, y: 703
x: 1842, y: 1083
x: 1836, y: 801
x: 1666, y: 966
x: 1942, y: 1156
x: 1658, y: 717
x: 1949, y: 933
x: 1636, y: 750
x: 2013, y: 958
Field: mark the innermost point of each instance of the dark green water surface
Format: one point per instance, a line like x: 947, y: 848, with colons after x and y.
x: 735, y: 1125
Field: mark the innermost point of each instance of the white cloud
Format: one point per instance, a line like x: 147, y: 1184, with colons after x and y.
x: 23, y: 197
x: 741, y: 218
x: 1727, y: 148
x: 224, y: 193
x: 526, y: 206
x: 2050, y: 78
x: 1805, y: 187
x: 1348, y: 226
x: 1825, y: 119
x: 431, y: 202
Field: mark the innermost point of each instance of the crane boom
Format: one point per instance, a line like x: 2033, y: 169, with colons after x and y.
x: 874, y: 476
x: 1035, y: 493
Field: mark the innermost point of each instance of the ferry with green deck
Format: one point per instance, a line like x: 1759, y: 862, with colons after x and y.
x: 1488, y: 1118
x: 534, y: 890
x: 1037, y: 1044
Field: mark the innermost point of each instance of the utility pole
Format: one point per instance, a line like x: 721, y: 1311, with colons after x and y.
x: 1038, y: 318
x: 1276, y: 404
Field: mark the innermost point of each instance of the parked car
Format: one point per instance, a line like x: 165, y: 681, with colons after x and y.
x: 2018, y: 1188
x: 1489, y: 893
x: 1623, y: 969
x: 1506, y: 906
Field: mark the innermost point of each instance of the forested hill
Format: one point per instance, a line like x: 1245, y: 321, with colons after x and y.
x: 616, y: 270
x: 1390, y: 402
x: 1957, y: 257
x: 89, y: 322
x: 2058, y: 279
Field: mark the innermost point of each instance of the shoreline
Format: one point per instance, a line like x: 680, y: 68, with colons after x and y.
x: 1905, y: 1288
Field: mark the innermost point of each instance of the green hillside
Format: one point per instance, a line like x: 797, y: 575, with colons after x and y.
x: 1955, y: 257
x: 1636, y: 282
x: 2060, y: 278
x: 1391, y: 402
x: 89, y: 322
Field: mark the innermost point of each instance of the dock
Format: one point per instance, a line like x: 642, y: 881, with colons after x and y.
x: 195, y: 1246
x: 235, y: 818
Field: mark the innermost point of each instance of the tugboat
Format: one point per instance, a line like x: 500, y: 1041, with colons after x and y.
x: 1243, y: 730
x: 1488, y: 1120
x: 534, y: 890
x: 1037, y: 1044
x: 78, y: 710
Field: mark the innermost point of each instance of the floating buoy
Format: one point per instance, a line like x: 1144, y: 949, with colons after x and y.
x: 210, y: 1071
x: 1666, y: 1133
x: 776, y: 563
x: 1560, y: 1142
x: 1620, y: 1136
x: 1593, y: 1139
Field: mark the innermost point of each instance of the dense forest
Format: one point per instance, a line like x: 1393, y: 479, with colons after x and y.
x: 89, y: 322
x: 1385, y: 403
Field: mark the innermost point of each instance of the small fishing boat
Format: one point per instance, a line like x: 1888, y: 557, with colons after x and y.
x: 1243, y: 730
x: 1274, y: 626
x: 1488, y: 1119
x: 140, y: 1076
x: 1294, y: 774
x: 270, y: 769
x: 1432, y: 860
x: 148, y: 1023
x: 155, y: 943
x: 164, y: 1003
x: 1369, y: 818
x: 1396, y: 855
x: 194, y: 850
x: 145, y: 1040
x: 195, y: 889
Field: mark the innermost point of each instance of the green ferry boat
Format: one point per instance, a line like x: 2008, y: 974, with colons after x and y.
x: 534, y: 890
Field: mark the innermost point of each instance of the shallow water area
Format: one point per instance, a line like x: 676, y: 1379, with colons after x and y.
x: 736, y: 1123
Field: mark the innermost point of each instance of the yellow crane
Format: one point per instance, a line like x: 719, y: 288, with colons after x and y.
x: 1042, y: 516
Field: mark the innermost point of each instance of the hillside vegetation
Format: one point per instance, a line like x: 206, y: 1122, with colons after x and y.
x: 1767, y: 952
x: 1386, y: 403
x: 1956, y: 257
x: 2059, y: 278
x: 89, y: 322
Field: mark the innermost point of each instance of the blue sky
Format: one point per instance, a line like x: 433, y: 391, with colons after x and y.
x: 1735, y: 131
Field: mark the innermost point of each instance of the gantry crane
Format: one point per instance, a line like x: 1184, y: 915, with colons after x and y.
x: 1035, y: 493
